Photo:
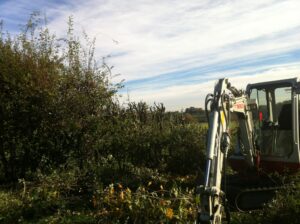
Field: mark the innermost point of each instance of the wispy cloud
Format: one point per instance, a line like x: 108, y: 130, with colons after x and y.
x: 167, y: 49
x: 179, y: 97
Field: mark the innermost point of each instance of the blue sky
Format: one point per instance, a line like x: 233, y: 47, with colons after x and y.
x: 173, y: 51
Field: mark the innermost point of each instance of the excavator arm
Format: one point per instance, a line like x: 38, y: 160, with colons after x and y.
x: 226, y: 99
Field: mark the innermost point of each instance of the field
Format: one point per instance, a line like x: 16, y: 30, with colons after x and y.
x: 71, y: 153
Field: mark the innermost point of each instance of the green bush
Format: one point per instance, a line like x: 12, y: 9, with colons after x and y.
x: 10, y: 206
x: 53, y: 98
x: 118, y: 205
x: 60, y: 198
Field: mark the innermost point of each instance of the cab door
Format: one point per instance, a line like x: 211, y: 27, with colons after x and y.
x: 273, y: 120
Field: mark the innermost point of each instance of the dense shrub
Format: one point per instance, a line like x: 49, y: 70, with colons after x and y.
x: 58, y: 107
x: 51, y: 101
x: 119, y: 205
x: 59, y: 198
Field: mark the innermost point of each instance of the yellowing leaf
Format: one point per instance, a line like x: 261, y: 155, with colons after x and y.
x: 128, y: 190
x: 169, y: 213
x: 122, y: 195
x: 111, y: 190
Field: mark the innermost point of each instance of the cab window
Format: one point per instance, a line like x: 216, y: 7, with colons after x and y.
x: 273, y: 120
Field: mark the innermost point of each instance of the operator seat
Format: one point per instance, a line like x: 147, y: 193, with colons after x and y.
x: 284, y: 137
x: 285, y: 117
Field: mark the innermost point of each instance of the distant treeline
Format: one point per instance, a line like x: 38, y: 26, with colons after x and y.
x: 195, y: 114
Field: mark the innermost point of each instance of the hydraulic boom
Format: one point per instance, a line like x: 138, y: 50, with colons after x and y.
x: 226, y: 99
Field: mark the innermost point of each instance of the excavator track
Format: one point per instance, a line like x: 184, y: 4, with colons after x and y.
x: 256, y: 198
x: 253, y: 196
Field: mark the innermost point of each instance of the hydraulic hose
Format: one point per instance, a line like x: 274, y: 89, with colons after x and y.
x: 208, y: 99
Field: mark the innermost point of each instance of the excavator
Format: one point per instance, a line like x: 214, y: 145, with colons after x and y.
x: 265, y: 120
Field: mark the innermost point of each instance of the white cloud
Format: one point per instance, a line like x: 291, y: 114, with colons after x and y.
x: 181, y: 97
x: 158, y: 37
x: 154, y: 34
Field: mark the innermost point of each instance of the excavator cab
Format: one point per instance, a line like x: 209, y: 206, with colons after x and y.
x: 276, y: 124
